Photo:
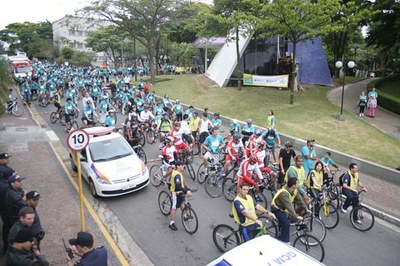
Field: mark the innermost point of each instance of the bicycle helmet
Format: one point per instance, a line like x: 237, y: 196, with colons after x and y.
x: 253, y: 158
x: 176, y: 123
x: 249, y: 121
x: 234, y: 121
x: 236, y: 136
x: 169, y: 139
x: 259, y: 132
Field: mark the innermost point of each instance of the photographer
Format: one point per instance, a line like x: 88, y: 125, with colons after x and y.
x: 82, y: 246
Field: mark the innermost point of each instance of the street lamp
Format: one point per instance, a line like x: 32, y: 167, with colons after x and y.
x: 340, y: 65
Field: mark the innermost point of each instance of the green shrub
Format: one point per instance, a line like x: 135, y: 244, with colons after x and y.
x: 386, y: 100
x: 5, y: 82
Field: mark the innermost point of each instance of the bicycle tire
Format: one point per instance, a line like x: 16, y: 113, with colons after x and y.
x: 34, y: 97
x: 213, y: 186
x: 17, y: 110
x: 164, y: 202
x: 190, y: 169
x: 330, y: 216
x: 189, y: 220
x: 333, y: 191
x: 270, y: 226
x: 196, y: 148
x: 201, y: 174
x: 225, y: 238
x: 141, y: 139
x: 141, y: 154
x: 62, y: 118
x: 316, y: 251
x: 366, y: 217
x: 150, y: 136
x: 156, y: 175
x: 315, y: 227
x: 53, y: 117
x: 43, y: 102
x: 262, y: 200
x: 229, y: 189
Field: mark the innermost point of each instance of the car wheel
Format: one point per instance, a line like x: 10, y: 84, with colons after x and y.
x: 92, y: 188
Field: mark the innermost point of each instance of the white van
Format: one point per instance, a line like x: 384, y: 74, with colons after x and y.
x: 264, y: 251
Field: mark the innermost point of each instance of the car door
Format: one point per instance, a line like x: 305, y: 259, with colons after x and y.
x: 85, y: 163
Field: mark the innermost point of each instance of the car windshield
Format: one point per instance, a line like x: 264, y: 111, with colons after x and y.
x: 23, y: 70
x: 110, y: 149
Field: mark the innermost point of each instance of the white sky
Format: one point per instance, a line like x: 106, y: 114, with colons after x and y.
x: 40, y: 10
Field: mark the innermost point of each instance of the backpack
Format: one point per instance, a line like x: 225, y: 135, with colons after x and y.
x: 341, y: 179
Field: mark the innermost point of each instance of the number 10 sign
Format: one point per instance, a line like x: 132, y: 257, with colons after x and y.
x: 77, y: 140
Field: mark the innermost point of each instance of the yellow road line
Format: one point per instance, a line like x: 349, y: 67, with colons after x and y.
x: 89, y: 207
x: 93, y: 213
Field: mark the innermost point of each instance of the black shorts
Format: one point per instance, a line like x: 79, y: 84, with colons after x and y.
x: 57, y: 105
x: 203, y: 136
x: 281, y: 178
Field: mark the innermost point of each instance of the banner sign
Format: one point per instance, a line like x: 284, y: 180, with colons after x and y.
x: 280, y: 81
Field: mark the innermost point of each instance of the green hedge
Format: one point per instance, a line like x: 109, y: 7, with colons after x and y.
x: 5, y: 82
x: 385, y: 100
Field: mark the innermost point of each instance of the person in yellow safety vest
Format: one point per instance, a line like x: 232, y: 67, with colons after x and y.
x: 194, y: 124
x: 244, y: 212
x: 350, y: 183
x: 282, y: 207
x: 179, y: 191
x: 315, y: 180
x: 297, y: 171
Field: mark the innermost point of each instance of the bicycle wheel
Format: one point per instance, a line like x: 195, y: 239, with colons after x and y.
x: 165, y: 202
x: 150, y: 136
x: 43, y: 102
x: 225, y: 237
x: 196, y: 148
x: 229, y: 189
x: 141, y: 140
x: 190, y: 169
x: 261, y: 199
x: 53, y: 117
x: 17, y: 110
x: 141, y: 154
x: 365, y: 217
x: 189, y: 220
x: 303, y: 243
x: 213, y: 186
x: 315, y: 227
x: 34, y: 97
x: 329, y: 215
x: 156, y: 175
x: 202, y: 174
x: 333, y: 191
x: 62, y: 118
x: 270, y: 226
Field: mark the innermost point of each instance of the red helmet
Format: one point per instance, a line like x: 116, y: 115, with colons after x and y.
x: 253, y: 158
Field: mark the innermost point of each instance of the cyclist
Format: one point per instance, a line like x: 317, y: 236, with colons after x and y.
x: 146, y: 115
x: 315, y: 180
x: 282, y: 207
x: 216, y: 121
x: 177, y: 109
x: 271, y: 137
x: 349, y: 189
x: 179, y: 191
x: 260, y: 153
x: 88, y: 114
x: 212, y: 145
x: 233, y: 147
x: 253, y: 142
x: 244, y: 212
x: 327, y: 161
x: 177, y: 133
x: 57, y: 102
x: 167, y: 103
x: 285, y: 156
x: 164, y: 126
x: 194, y: 124
x: 169, y: 155
x: 131, y: 130
x: 26, y: 89
x: 235, y: 127
x: 246, y: 170
x: 248, y: 130
x: 110, y: 119
x: 204, y: 126
x: 10, y: 98
x: 70, y: 109
x: 297, y: 171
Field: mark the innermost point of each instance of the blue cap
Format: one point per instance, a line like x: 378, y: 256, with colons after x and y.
x: 15, y: 178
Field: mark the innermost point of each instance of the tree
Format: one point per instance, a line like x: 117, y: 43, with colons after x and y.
x: 67, y: 53
x: 29, y: 37
x: 142, y: 19
x: 298, y: 21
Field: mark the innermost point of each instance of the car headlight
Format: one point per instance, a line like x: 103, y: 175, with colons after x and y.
x: 103, y: 181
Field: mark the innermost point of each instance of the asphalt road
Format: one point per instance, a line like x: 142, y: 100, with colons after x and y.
x: 141, y: 217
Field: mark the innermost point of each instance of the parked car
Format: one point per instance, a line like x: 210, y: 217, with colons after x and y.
x: 110, y: 165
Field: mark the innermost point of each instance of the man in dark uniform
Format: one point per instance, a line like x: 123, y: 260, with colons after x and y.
x: 26, y: 216
x: 4, y: 213
x: 5, y: 170
x: 32, y: 200
x: 20, y: 253
x: 15, y: 197
x: 82, y: 246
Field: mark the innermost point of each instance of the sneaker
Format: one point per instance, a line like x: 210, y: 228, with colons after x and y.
x: 173, y: 227
x: 357, y: 221
x: 343, y: 210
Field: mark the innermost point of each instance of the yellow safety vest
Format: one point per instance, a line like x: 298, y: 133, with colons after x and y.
x: 248, y: 204
x: 353, y: 180
x: 194, y: 123
x: 173, y: 175
x: 301, y: 174
x: 292, y: 197
x: 318, y: 180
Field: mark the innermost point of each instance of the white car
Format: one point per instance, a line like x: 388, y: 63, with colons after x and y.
x: 109, y: 164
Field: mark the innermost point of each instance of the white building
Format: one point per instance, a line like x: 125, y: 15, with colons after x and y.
x: 72, y: 32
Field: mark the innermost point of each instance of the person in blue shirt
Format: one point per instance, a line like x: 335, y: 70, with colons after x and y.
x: 327, y: 161
x: 309, y: 156
x: 88, y: 114
x: 26, y: 89
x: 248, y: 130
x: 235, y: 127
x: 151, y: 99
x: 271, y: 137
x: 213, y: 144
x: 189, y: 111
x: 177, y: 108
x: 95, y: 92
x: 167, y: 103
x: 70, y: 110
x: 216, y: 121
x: 104, y: 106
x: 82, y: 246
x: 111, y: 119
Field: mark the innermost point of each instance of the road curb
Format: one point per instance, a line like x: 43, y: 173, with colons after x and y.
x: 132, y: 252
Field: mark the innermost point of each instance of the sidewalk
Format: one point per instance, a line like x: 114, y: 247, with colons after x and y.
x: 34, y: 159
x: 384, y: 120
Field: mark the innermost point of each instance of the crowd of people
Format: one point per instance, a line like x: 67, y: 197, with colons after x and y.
x: 22, y: 231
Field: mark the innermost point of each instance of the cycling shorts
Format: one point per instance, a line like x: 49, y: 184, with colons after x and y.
x: 229, y: 158
x: 177, y: 200
x: 266, y: 170
x: 181, y: 146
x: 203, y: 136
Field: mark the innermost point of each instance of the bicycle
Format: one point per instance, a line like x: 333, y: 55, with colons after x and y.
x: 186, y: 158
x: 157, y: 173
x: 140, y: 153
x: 225, y: 237
x: 14, y: 108
x: 328, y: 213
x: 366, y: 219
x: 308, y: 243
x: 203, y: 173
x: 72, y: 123
x: 58, y: 115
x: 215, y: 180
x: 151, y: 131
x: 189, y: 217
